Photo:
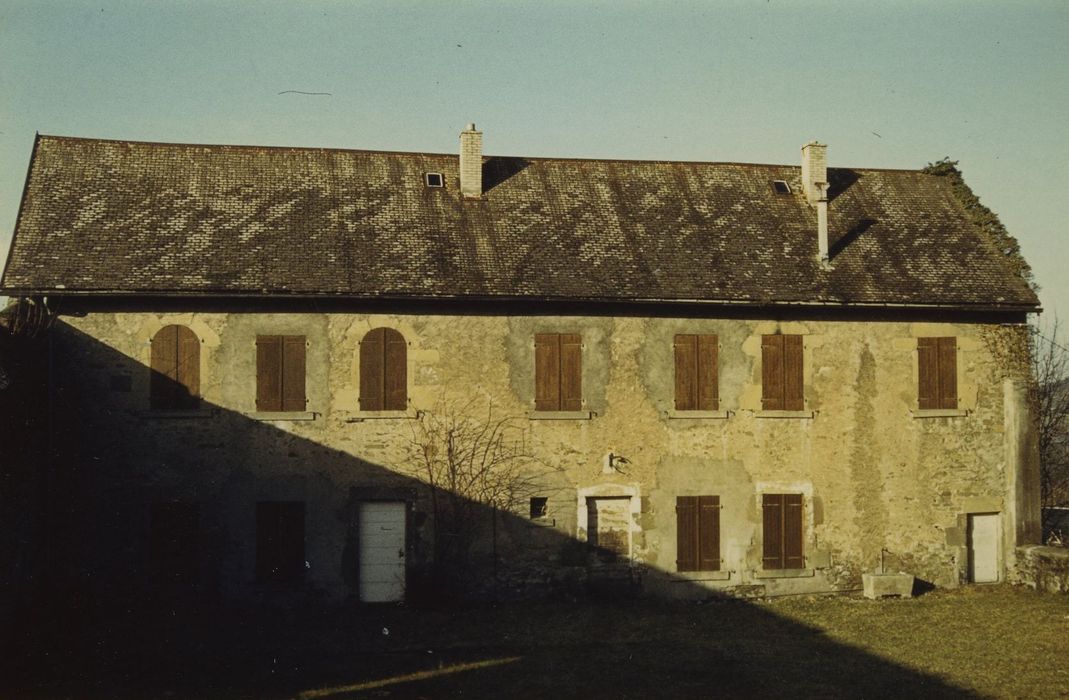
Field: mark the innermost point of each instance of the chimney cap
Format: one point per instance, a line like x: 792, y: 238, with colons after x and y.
x: 471, y: 126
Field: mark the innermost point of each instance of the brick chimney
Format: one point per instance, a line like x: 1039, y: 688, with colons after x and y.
x: 815, y: 186
x: 471, y: 162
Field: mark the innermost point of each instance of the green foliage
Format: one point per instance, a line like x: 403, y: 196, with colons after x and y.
x: 984, y: 219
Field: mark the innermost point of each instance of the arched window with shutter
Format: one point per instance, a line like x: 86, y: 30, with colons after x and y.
x: 383, y: 371
x: 175, y: 382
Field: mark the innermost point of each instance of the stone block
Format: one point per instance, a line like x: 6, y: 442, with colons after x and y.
x: 880, y: 585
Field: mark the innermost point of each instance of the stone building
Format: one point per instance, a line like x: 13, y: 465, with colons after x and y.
x: 731, y: 377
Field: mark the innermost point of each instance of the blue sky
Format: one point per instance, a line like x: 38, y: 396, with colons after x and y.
x: 885, y: 84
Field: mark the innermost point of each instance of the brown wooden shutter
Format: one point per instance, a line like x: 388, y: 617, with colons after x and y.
x: 293, y: 373
x: 948, y: 372
x: 793, y: 557
x: 927, y: 373
x: 571, y: 372
x: 709, y: 533
x: 269, y: 373
x: 686, y: 353
x: 708, y: 393
x: 547, y: 372
x: 279, y: 541
x: 187, y: 370
x: 395, y: 371
x: 772, y: 373
x: 372, y: 370
x: 686, y: 533
x: 793, y: 380
x: 163, y: 383
x: 772, y: 531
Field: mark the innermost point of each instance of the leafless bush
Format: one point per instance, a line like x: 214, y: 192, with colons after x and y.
x: 475, y: 464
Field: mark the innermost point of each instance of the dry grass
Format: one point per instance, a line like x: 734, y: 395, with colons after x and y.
x: 990, y: 641
x: 997, y: 641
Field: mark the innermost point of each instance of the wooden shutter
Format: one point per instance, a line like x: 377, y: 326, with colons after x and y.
x: 571, y: 372
x: 709, y: 533
x: 372, y: 374
x: 163, y: 383
x: 937, y: 373
x: 395, y: 371
x: 708, y: 391
x: 686, y: 352
x: 280, y: 541
x: 696, y: 373
x: 187, y: 369
x: 174, y: 542
x: 793, y: 557
x: 266, y: 526
x: 687, y: 533
x: 793, y: 382
x: 948, y: 372
x: 547, y: 372
x: 927, y: 373
x: 293, y: 373
x: 269, y: 373
x: 772, y: 531
x: 772, y: 373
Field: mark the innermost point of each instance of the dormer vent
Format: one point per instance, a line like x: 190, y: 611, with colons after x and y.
x: 781, y: 187
x: 434, y: 179
x: 471, y: 162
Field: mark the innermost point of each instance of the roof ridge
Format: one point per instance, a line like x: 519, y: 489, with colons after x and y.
x: 431, y: 154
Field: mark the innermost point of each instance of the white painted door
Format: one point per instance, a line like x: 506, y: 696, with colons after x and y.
x: 983, y: 548
x: 382, y: 552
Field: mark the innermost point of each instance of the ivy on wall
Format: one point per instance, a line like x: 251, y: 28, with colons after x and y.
x: 984, y: 219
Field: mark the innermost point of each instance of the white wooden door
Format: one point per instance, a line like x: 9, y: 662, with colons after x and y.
x: 382, y: 552
x: 984, y: 564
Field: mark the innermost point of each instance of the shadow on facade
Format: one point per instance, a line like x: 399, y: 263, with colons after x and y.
x: 102, y: 613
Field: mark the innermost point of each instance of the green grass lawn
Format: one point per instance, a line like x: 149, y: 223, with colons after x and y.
x: 973, y: 642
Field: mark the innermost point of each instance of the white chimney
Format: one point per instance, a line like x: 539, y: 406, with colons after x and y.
x: 471, y: 162
x: 815, y: 186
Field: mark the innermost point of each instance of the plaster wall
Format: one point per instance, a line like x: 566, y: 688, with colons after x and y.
x: 876, y: 473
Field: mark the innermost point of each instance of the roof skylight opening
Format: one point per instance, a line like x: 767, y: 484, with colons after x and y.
x: 781, y: 187
x: 434, y: 179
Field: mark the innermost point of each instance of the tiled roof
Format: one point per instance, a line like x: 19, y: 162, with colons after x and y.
x: 127, y: 217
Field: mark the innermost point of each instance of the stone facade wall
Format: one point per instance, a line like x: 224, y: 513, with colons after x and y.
x: 1044, y: 568
x: 876, y: 474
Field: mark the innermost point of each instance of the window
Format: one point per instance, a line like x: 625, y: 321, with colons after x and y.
x: 280, y: 361
x: 698, y: 533
x: 383, y: 371
x: 434, y: 180
x: 781, y: 373
x: 539, y: 507
x: 696, y: 373
x: 781, y: 187
x: 279, y: 541
x: 175, y: 380
x: 558, y: 372
x: 782, y: 534
x: 937, y: 377
x: 174, y: 542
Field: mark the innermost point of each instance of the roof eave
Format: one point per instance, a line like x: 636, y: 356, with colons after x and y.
x: 652, y: 301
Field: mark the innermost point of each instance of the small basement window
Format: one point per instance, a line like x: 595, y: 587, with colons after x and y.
x: 434, y: 179
x: 539, y: 507
x: 781, y: 187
